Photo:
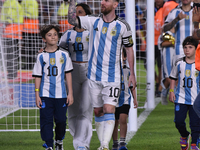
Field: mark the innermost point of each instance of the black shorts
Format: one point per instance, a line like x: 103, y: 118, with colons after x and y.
x: 124, y: 109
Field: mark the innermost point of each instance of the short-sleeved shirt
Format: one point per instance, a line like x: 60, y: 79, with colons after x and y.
x: 188, y: 81
x: 51, y: 68
x: 77, y: 44
x: 106, y: 40
x: 183, y: 28
x: 125, y: 95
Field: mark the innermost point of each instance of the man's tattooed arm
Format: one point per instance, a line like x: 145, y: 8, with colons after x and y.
x: 72, y: 13
x: 196, y: 32
x: 170, y: 25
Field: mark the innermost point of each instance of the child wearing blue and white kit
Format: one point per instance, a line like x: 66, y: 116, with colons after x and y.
x: 53, y: 66
x: 187, y: 89
x: 122, y: 109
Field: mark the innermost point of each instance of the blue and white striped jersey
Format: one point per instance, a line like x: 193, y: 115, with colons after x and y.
x: 77, y: 44
x: 125, y: 95
x: 106, y: 39
x: 188, y: 81
x: 183, y: 28
x: 51, y: 67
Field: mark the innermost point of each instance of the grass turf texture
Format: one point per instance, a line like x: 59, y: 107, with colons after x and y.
x: 157, y: 132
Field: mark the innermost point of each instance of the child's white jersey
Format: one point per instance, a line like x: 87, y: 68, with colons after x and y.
x: 183, y: 28
x: 125, y: 95
x: 106, y: 39
x: 77, y: 44
x: 188, y: 81
x: 52, y: 67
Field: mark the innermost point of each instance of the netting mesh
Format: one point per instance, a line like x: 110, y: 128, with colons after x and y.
x: 20, y: 42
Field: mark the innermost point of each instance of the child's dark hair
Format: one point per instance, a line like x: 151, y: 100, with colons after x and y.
x: 190, y: 41
x: 86, y: 8
x: 46, y: 28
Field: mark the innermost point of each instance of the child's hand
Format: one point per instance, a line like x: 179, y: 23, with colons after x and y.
x: 70, y: 99
x: 135, y: 103
x: 172, y: 97
x: 38, y: 102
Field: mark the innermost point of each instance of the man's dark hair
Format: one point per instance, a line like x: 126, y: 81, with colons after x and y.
x: 190, y: 40
x: 86, y: 8
x: 46, y: 28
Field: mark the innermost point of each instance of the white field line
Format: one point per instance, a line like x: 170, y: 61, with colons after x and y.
x: 140, y: 120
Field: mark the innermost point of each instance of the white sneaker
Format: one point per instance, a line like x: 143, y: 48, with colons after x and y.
x: 83, y: 148
x: 103, y: 148
x: 59, y: 145
x: 100, y: 148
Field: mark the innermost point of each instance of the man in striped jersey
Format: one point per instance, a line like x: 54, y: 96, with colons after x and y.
x: 180, y: 19
x: 107, y: 34
x: 187, y: 89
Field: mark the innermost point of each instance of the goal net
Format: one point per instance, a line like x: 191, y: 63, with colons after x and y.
x: 20, y: 42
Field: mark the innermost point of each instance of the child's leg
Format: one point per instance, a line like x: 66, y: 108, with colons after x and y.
x: 194, y: 125
x: 46, y: 121
x: 60, y: 118
x: 123, y: 125
x: 124, y: 111
x: 180, y: 116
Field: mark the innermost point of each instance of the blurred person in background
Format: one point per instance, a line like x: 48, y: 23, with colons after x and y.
x: 167, y: 53
x: 62, y: 17
x: 12, y: 19
x: 157, y: 30
x: 30, y: 32
x: 180, y: 20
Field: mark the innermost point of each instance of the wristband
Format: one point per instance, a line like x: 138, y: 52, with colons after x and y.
x: 37, y: 90
x: 171, y: 90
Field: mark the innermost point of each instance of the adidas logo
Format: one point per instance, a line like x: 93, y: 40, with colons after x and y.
x: 115, y: 100
x: 64, y: 105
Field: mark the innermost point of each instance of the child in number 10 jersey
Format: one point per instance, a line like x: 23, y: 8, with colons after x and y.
x: 187, y: 89
x: 52, y: 68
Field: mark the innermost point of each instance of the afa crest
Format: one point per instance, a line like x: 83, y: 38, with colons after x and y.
x: 87, y: 38
x: 52, y: 61
x: 196, y: 73
x: 187, y: 17
x: 104, y: 30
x: 122, y: 78
x: 127, y: 77
x: 187, y: 73
x: 130, y: 39
x: 113, y: 31
x: 61, y: 60
x: 78, y: 39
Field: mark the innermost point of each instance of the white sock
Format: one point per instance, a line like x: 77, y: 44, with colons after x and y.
x: 99, y: 125
x: 109, y: 123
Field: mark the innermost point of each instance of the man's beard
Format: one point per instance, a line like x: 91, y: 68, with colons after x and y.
x: 106, y: 11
